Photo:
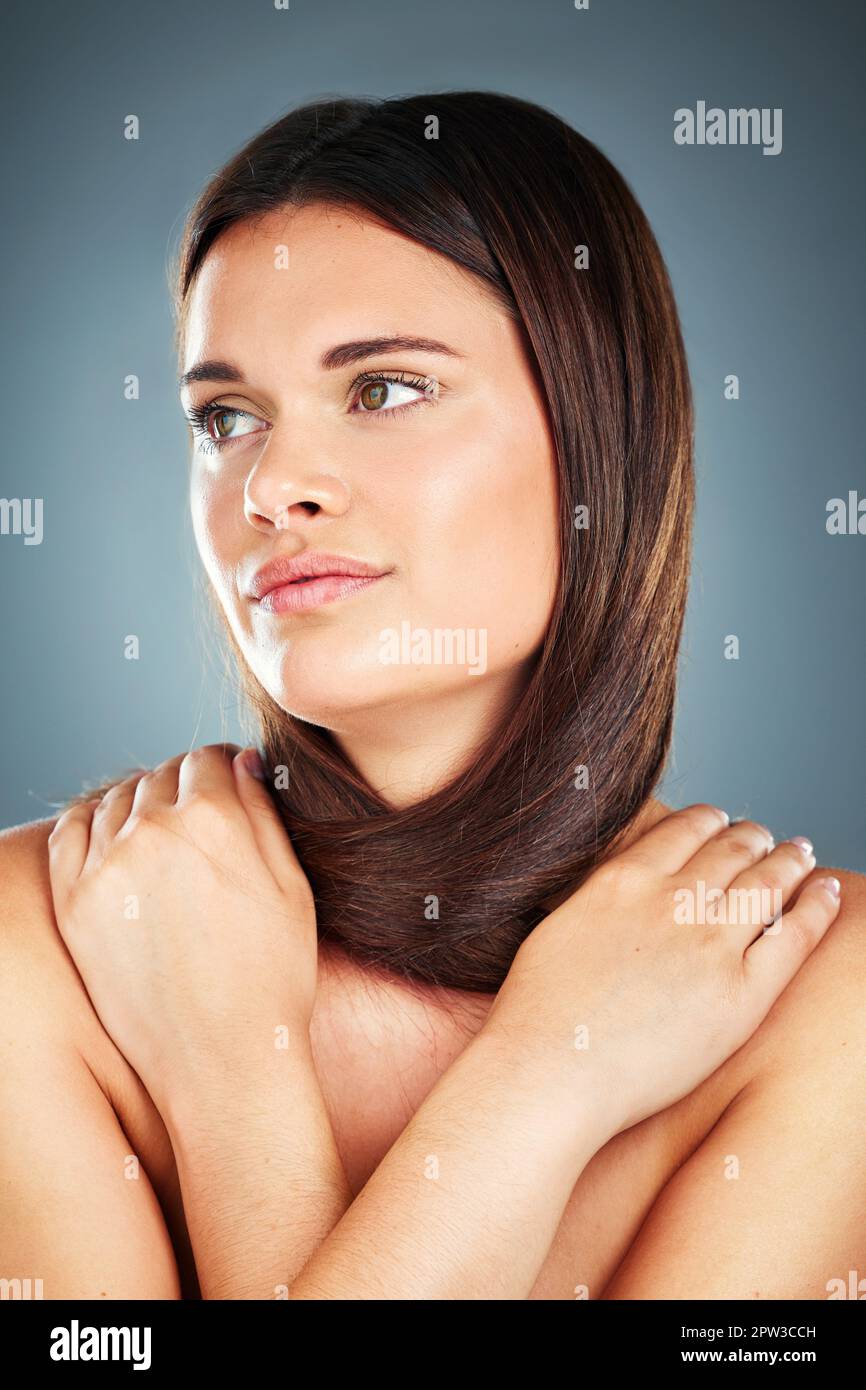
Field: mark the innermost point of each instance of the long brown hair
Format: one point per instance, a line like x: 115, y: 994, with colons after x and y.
x: 445, y: 890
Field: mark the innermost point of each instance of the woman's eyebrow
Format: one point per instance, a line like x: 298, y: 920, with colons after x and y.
x: 346, y: 353
x: 209, y: 371
x: 343, y: 355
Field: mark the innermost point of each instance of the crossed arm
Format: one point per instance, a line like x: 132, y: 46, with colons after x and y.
x: 464, y: 1205
x: 272, y: 1217
x: 467, y: 1201
x: 265, y: 1198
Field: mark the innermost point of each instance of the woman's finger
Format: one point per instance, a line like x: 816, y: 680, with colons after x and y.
x: 68, y: 844
x: 272, y: 838
x: 110, y: 815
x: 669, y: 845
x: 756, y: 897
x: 157, y: 789
x: 731, y: 852
x: 773, y: 960
x: 207, y: 772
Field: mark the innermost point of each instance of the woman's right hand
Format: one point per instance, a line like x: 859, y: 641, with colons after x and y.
x: 630, y: 994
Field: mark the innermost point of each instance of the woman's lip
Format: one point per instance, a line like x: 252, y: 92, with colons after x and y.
x: 312, y: 593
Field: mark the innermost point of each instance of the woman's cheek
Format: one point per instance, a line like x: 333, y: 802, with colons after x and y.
x: 211, y: 510
x: 484, y: 541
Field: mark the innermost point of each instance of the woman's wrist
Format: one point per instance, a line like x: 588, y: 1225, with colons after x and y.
x: 433, y: 1212
x: 264, y: 1082
x: 260, y: 1173
x: 563, y: 1081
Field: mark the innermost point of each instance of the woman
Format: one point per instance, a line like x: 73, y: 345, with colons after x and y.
x: 462, y: 742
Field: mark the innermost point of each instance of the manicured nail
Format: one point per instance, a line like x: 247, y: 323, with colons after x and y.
x: 832, y: 885
x: 802, y: 843
x: 252, y: 763
x: 726, y: 820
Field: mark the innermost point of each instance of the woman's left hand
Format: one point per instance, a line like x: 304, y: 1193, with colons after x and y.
x: 190, y: 920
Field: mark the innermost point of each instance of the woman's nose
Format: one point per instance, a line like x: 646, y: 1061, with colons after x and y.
x: 283, y: 485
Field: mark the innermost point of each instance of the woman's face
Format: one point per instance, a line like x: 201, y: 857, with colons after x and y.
x: 449, y: 493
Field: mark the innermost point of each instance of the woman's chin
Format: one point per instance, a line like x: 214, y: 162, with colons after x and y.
x: 326, y: 681
x: 332, y: 703
x: 357, y: 702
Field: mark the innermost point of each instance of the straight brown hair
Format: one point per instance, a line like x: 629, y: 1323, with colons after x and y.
x: 444, y: 891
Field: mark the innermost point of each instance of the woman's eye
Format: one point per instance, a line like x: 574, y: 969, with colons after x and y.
x: 221, y: 429
x: 380, y: 395
x: 216, y: 425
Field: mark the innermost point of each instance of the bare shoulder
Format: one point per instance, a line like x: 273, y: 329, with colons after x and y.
x: 39, y: 984
x: 31, y: 948
x: 820, y: 1018
x: 42, y: 995
x: 35, y: 966
x: 824, y: 1007
x: 765, y: 1205
x: 78, y: 1207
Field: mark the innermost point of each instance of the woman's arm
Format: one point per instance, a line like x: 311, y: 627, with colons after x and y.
x: 79, y: 1217
x: 616, y: 1006
x: 520, y: 1113
x: 464, y: 1205
x: 183, y: 906
x: 260, y: 1175
x: 770, y: 1205
x: 468, y: 1199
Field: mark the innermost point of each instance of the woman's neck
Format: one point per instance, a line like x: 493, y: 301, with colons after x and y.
x: 412, y: 748
x: 380, y: 1002
x: 380, y: 1045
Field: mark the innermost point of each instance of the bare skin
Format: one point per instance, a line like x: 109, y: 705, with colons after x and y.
x: 305, y: 473
x: 81, y: 1219
x: 296, y: 458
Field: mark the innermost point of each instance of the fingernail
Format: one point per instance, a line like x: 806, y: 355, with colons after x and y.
x: 726, y: 820
x: 802, y: 843
x: 252, y: 763
x: 832, y: 885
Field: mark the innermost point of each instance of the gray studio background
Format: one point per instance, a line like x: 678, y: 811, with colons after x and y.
x: 765, y: 253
